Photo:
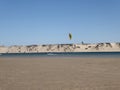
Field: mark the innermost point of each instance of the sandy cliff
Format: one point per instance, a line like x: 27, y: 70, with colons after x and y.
x: 99, y: 47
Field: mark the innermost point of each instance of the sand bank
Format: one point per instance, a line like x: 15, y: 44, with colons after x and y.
x: 65, y: 73
x: 98, y: 47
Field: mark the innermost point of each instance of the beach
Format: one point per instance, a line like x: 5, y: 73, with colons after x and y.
x: 47, y: 48
x: 59, y: 73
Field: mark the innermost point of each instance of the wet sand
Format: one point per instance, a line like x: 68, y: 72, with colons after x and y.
x: 65, y: 73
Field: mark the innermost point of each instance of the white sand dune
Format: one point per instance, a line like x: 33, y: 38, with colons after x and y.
x: 99, y: 47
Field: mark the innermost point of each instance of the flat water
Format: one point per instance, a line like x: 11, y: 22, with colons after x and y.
x: 64, y: 54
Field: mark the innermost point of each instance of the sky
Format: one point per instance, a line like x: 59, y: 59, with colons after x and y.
x: 24, y: 22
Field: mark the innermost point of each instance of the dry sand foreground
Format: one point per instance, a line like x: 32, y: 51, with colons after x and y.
x: 59, y: 73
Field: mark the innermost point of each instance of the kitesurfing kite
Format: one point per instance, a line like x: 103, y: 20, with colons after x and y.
x: 70, y: 36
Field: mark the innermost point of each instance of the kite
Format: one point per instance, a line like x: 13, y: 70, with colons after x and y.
x: 70, y: 36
